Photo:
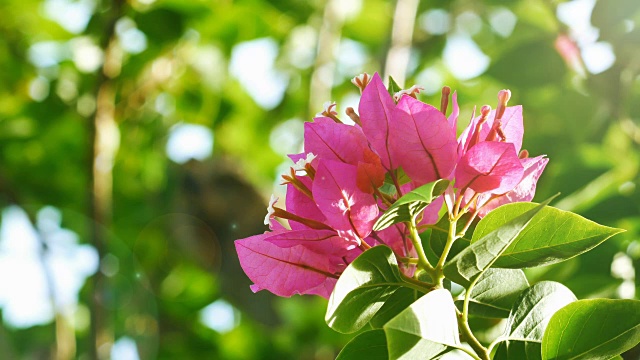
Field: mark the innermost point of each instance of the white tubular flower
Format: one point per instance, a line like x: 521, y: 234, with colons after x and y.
x: 412, y: 91
x: 329, y: 109
x: 302, y: 163
x: 270, y: 209
x: 361, y: 81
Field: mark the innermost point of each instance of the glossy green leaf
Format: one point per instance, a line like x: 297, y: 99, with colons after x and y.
x: 529, y: 317
x: 425, y: 330
x: 471, y: 262
x: 495, y: 292
x: 370, y: 345
x: 411, y: 204
x: 592, y: 329
x: 363, y: 288
x: 552, y: 236
x: 398, y: 301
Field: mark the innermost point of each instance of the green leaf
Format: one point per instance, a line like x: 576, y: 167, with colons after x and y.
x: 398, y: 301
x: 362, y: 289
x: 425, y: 330
x: 471, y: 262
x: 370, y: 345
x: 393, y: 86
x: 495, y: 292
x: 592, y: 329
x: 440, y: 232
x: 411, y: 204
x: 552, y: 236
x: 528, y: 320
x: 401, y: 177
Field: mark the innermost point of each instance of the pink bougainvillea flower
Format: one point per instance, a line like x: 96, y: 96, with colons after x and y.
x: 349, y: 210
x: 336, y: 188
x: 524, y: 191
x: 489, y: 166
x: 376, y: 111
x: 302, y: 205
x: 422, y: 141
x: 320, y: 241
x: 286, y: 271
x: 348, y: 144
x: 480, y: 127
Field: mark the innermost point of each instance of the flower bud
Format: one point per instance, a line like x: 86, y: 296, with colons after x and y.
x: 352, y: 114
x: 503, y: 99
x: 444, y: 100
x: 485, y: 110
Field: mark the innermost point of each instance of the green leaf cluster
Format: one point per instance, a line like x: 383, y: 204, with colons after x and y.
x: 406, y: 318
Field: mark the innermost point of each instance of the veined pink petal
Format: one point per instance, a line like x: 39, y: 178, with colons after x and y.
x: 286, y: 271
x: 347, y: 208
x: 489, y: 166
x: 525, y: 190
x: 320, y: 241
x: 512, y: 127
x: 329, y: 140
x: 376, y: 111
x: 300, y: 204
x: 455, y: 112
x: 422, y: 141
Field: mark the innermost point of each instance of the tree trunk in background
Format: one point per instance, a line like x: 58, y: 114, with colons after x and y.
x: 103, y: 146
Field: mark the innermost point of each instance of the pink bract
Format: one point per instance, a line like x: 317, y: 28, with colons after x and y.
x: 348, y: 175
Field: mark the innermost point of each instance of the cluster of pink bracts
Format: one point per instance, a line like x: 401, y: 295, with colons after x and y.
x: 335, y: 194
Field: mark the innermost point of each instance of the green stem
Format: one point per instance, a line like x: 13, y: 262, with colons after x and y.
x: 471, y: 340
x: 470, y: 353
x: 451, y: 238
x: 408, y: 260
x: 463, y: 321
x: 417, y: 244
x: 467, y: 296
x: 421, y: 286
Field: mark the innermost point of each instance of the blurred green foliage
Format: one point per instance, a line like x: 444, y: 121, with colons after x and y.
x: 170, y: 226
